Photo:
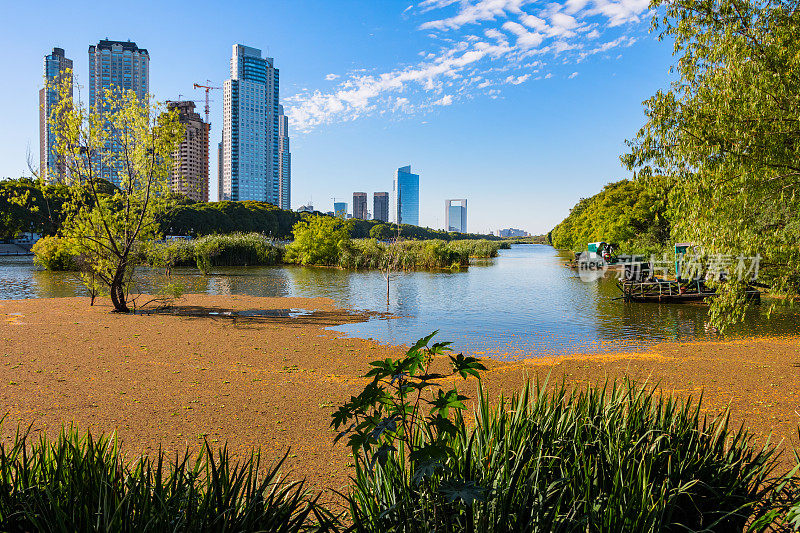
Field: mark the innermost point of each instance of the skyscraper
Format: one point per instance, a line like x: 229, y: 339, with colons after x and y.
x: 360, y: 205
x: 340, y: 209
x: 118, y: 66
x: 380, y: 206
x: 189, y: 172
x: 455, y: 216
x: 284, y: 161
x: 57, y: 68
x: 406, y: 196
x: 250, y: 131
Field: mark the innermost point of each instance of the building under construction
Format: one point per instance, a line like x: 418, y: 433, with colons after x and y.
x: 189, y: 174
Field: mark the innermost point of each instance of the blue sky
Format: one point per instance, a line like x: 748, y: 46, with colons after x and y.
x: 520, y: 106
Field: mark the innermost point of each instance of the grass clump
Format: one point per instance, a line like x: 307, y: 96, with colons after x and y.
x: 615, y: 458
x: 79, y: 483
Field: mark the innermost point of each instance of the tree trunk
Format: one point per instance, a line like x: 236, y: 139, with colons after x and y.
x: 118, y: 292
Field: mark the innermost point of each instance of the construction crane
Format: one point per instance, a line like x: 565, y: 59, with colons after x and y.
x: 207, y: 88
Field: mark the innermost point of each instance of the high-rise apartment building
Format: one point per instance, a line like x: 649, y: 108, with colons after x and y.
x: 455, y: 216
x: 340, y: 209
x: 57, y: 69
x: 284, y: 161
x: 360, y: 205
x: 117, y: 66
x: 406, y: 196
x: 189, y: 172
x: 380, y: 206
x: 250, y: 131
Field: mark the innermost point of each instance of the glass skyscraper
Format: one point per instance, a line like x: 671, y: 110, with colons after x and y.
x: 117, y: 65
x: 57, y: 68
x: 406, y: 196
x: 250, y: 130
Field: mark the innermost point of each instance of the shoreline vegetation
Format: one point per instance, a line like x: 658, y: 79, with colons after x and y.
x: 253, y: 249
x: 272, y: 384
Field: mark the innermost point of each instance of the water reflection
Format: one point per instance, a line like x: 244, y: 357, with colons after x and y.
x: 524, y: 303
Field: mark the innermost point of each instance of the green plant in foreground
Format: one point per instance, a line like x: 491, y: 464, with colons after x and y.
x: 613, y: 458
x: 79, y: 483
x: 405, y: 412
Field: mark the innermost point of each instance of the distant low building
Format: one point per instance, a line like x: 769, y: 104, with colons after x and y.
x: 455, y: 215
x: 512, y: 232
x: 305, y: 209
x: 340, y: 209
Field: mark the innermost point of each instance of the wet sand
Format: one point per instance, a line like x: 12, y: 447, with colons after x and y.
x: 272, y: 381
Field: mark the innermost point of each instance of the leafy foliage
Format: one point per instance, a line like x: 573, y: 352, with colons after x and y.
x: 726, y: 135
x: 318, y: 241
x: 404, y: 410
x: 625, y: 212
x: 53, y: 254
x: 135, y: 140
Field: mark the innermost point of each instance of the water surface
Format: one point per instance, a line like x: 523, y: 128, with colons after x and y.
x: 524, y: 303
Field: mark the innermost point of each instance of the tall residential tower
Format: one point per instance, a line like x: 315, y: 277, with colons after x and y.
x: 118, y: 66
x: 57, y: 69
x: 406, y: 196
x: 250, y: 130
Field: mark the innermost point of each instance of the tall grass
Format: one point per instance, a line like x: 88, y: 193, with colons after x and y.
x: 79, y: 483
x: 414, y: 255
x: 617, y: 458
x: 232, y: 249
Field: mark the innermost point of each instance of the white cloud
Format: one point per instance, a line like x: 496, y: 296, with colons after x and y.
x: 444, y: 100
x: 573, y: 75
x: 472, y: 13
x: 477, y: 47
x: 519, y: 79
x: 525, y: 39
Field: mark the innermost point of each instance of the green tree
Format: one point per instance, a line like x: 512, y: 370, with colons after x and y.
x: 137, y: 140
x: 382, y: 232
x: 726, y: 134
x: 318, y: 240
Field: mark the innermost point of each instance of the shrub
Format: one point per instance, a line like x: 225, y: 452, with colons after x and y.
x: 318, y: 240
x: 53, y: 254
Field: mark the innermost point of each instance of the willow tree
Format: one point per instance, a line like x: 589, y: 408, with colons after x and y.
x: 726, y: 134
x: 134, y: 141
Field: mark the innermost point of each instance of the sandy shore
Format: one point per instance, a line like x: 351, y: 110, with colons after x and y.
x: 272, y: 381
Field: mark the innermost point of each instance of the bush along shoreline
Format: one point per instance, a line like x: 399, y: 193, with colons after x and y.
x: 618, y: 458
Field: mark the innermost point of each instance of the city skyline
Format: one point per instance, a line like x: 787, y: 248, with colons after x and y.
x: 560, y: 109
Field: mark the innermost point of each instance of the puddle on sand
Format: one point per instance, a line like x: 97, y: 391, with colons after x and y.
x: 248, y: 313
